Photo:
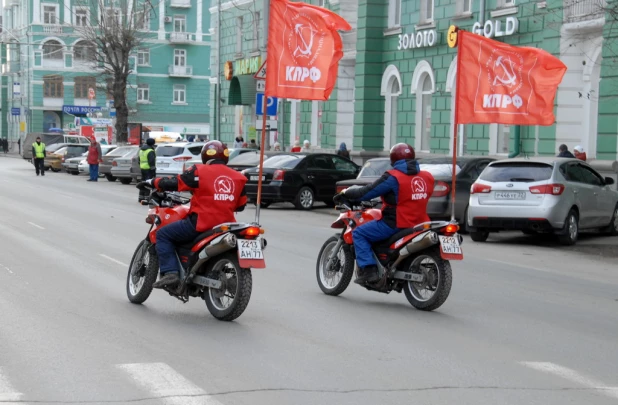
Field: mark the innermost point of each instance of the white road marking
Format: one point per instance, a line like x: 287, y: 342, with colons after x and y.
x: 7, y: 392
x: 163, y: 381
x: 113, y: 260
x: 35, y: 225
x: 573, y: 376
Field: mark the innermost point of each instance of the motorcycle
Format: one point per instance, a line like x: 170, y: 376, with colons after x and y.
x: 415, y: 260
x: 215, y: 266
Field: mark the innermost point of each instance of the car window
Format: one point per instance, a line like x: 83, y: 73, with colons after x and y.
x: 573, y: 172
x: 53, y: 148
x: 76, y: 150
x: 517, y: 171
x: 320, y: 163
x: 282, y: 161
x: 167, y: 151
x: 440, y: 169
x: 375, y: 168
x: 195, y: 150
x: 343, y: 165
x: 61, y: 151
x: 120, y: 151
x: 245, y: 158
x: 591, y: 177
x: 478, y: 169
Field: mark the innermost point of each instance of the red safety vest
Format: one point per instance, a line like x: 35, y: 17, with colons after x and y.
x: 414, y: 193
x: 218, y: 196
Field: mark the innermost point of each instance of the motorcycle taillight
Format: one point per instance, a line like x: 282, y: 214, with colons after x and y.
x: 150, y: 219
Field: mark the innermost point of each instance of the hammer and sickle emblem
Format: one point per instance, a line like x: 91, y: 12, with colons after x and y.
x: 508, y: 77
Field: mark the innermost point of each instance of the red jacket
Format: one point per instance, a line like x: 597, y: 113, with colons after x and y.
x: 580, y: 156
x: 412, y: 198
x: 94, y: 154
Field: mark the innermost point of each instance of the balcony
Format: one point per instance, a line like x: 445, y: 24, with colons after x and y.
x: 583, y: 10
x: 181, y: 3
x: 180, y: 71
x: 181, y: 38
x: 52, y: 29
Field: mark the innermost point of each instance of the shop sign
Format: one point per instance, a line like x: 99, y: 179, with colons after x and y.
x: 248, y: 66
x: 420, y: 39
x: 79, y: 109
x: 494, y: 28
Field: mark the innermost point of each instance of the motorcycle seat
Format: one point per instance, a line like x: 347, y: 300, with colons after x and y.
x: 394, y: 238
x: 189, y: 245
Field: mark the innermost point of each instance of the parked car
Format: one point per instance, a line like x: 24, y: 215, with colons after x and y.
x: 234, y: 153
x: 72, y: 165
x: 121, y: 167
x: 300, y: 178
x: 49, y: 139
x: 549, y: 195
x: 172, y: 156
x: 439, y: 206
x: 55, y: 159
x: 105, y: 168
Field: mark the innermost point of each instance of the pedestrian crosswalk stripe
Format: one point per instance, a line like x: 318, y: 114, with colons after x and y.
x: 7, y: 392
x: 162, y: 381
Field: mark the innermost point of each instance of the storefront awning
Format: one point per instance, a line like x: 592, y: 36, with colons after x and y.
x: 242, y: 90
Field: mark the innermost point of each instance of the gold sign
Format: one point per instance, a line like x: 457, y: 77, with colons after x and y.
x: 451, y: 36
x: 248, y: 66
x: 228, y: 70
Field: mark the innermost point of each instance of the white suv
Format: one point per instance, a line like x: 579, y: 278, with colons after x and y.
x: 172, y: 156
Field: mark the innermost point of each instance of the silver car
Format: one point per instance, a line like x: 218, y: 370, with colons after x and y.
x: 172, y: 156
x: 556, y: 195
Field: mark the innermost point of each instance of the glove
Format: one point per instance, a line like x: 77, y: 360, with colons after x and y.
x: 146, y: 185
x: 338, y: 197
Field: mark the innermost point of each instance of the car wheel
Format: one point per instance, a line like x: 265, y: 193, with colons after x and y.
x: 126, y: 180
x: 569, y: 233
x: 612, y: 228
x: 74, y: 173
x: 55, y: 170
x: 479, y: 236
x: 109, y: 177
x: 304, y: 199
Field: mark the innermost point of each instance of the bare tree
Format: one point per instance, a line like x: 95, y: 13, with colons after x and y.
x: 113, y: 33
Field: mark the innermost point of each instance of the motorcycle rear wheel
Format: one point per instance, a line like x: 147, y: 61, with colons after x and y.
x: 334, y: 281
x: 437, y: 283
x: 230, y: 301
x: 143, y: 272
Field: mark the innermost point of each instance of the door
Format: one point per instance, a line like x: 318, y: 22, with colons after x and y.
x: 321, y: 175
x: 605, y: 204
x: 585, y: 195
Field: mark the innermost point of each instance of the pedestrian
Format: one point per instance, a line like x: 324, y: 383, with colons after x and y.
x: 5, y: 145
x: 94, y: 158
x: 147, y: 164
x: 19, y: 145
x: 277, y: 147
x: 296, y: 147
x: 38, y: 156
x: 343, y: 151
x: 579, y: 153
x: 238, y: 142
x: 253, y: 145
x: 564, y: 152
x: 306, y: 146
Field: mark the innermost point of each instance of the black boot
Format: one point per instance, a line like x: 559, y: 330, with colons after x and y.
x: 367, y: 274
x: 167, y: 280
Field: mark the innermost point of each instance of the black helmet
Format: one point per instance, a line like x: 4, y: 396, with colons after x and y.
x: 150, y: 141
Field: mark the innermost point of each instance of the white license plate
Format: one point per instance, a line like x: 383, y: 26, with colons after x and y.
x: 255, y: 178
x: 250, y: 249
x: 163, y: 165
x: 450, y: 245
x: 505, y: 195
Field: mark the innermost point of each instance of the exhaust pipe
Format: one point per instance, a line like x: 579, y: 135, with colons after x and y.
x: 417, y: 244
x: 219, y: 245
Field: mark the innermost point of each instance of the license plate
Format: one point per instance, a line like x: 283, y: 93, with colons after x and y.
x: 163, y: 165
x: 450, y: 248
x: 250, y: 249
x: 255, y: 178
x: 503, y: 195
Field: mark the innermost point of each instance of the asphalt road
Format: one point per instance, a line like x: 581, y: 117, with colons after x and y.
x: 527, y: 322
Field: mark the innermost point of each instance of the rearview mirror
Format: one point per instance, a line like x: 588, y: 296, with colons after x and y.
x: 609, y: 181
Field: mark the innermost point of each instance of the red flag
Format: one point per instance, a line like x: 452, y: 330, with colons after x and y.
x: 505, y: 84
x: 304, y: 49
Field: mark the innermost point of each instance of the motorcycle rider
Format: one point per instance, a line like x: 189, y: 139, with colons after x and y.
x: 405, y: 191
x: 218, y: 192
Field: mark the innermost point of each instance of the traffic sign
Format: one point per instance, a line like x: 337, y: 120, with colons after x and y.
x: 271, y: 106
x: 261, y: 73
x: 260, y: 85
x: 271, y: 125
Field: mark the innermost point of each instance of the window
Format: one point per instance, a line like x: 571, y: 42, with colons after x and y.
x: 426, y: 113
x: 81, y: 17
x: 180, y: 94
x: 464, y: 7
x: 394, y: 13
x: 180, y: 57
x: 143, y: 92
x: 239, y: 21
x: 591, y: 177
x: 180, y: 23
x: 343, y: 165
x: 256, y: 31
x: 50, y: 14
x: 427, y: 11
x: 506, y: 3
x: 143, y: 57
x: 517, y: 171
x: 142, y: 20
x: 375, y: 168
x: 321, y: 3
x: 112, y: 16
x: 53, y: 86
x: 504, y: 136
x: 83, y: 84
x: 320, y: 163
x: 84, y: 51
x: 52, y: 50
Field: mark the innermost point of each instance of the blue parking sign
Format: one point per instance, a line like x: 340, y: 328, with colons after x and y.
x: 271, y: 107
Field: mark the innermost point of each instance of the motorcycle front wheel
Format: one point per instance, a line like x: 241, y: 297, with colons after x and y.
x: 333, y: 279
x: 230, y: 301
x: 143, y: 272
x: 435, y: 288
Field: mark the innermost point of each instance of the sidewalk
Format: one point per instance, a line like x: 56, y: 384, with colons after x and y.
x: 14, y: 155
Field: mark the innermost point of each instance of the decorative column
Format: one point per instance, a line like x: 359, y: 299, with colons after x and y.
x: 36, y: 11
x: 198, y: 33
x: 67, y: 12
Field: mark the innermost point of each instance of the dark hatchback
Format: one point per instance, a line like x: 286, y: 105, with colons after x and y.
x: 439, y: 207
x: 301, y: 179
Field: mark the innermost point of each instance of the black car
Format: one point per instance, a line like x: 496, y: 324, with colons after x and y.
x: 300, y: 178
x: 248, y: 160
x: 439, y: 206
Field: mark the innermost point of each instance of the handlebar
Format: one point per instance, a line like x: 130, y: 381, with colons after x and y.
x: 348, y: 205
x: 167, y: 199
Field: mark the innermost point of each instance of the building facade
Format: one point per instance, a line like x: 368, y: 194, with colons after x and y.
x: 396, y: 80
x: 49, y: 78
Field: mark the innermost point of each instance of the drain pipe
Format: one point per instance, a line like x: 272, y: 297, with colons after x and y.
x: 482, y: 13
x: 517, y: 136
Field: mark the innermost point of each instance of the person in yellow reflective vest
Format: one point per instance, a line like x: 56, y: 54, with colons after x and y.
x: 38, y: 156
x: 147, y: 164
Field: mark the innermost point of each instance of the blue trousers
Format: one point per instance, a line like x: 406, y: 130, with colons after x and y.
x: 174, y: 233
x: 367, y: 234
x: 94, y: 172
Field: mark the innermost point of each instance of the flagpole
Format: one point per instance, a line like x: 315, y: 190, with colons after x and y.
x: 261, y: 167
x: 456, y: 128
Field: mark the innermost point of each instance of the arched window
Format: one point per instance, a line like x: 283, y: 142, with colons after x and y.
x: 84, y: 51
x: 423, y: 86
x: 391, y: 90
x: 52, y: 49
